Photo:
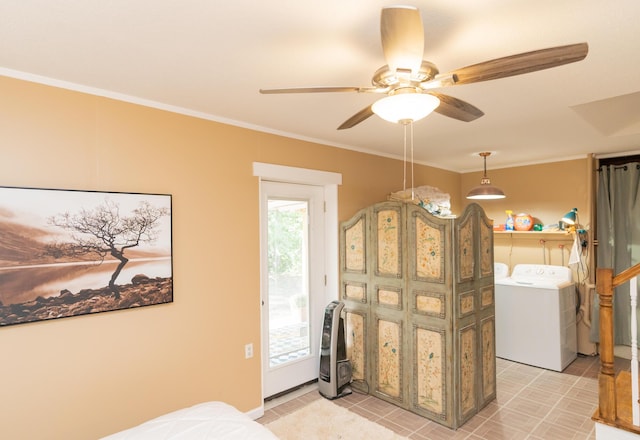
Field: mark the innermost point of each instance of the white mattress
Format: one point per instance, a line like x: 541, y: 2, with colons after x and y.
x: 209, y: 420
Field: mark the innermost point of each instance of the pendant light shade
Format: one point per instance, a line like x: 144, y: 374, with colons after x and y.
x: 405, y: 107
x: 485, y: 191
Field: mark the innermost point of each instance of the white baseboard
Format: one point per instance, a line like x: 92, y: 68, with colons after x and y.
x: 623, y: 351
x: 606, y: 432
x: 256, y: 413
x: 292, y: 395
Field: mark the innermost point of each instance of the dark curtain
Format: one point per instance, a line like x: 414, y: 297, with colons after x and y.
x: 618, y: 232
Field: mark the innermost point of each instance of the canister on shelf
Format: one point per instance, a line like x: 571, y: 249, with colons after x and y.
x: 523, y: 222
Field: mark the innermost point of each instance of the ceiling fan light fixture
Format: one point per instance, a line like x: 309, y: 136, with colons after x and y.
x: 485, y: 191
x: 405, y: 107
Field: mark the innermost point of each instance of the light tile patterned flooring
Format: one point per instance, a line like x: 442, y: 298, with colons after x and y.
x: 531, y: 404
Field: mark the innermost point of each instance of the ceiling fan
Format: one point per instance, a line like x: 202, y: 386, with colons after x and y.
x: 407, y: 75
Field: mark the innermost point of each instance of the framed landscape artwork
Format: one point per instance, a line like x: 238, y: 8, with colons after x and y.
x: 67, y: 252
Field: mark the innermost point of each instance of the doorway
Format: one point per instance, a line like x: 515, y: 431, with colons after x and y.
x: 308, y: 201
x: 293, y: 283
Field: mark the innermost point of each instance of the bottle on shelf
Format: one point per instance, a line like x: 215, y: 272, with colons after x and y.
x: 508, y: 226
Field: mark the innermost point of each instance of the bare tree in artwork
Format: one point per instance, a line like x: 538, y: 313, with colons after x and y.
x: 103, y: 231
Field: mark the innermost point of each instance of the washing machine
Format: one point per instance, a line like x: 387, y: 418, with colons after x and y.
x: 536, y: 316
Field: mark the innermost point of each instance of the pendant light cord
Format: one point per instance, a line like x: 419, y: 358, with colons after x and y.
x: 409, y: 124
x: 404, y: 160
x: 412, y: 184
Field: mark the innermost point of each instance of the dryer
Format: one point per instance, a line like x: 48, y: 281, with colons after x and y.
x: 500, y: 271
x: 536, y: 316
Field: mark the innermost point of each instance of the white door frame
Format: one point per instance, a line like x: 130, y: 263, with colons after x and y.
x: 329, y: 181
x: 281, y: 376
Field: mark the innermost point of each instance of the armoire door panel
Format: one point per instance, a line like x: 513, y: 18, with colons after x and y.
x: 389, y: 368
x: 354, y: 291
x: 387, y: 240
x: 428, y: 253
x: 389, y: 297
x: 486, y: 247
x: 429, y: 303
x: 487, y: 297
x: 355, y: 323
x: 465, y: 252
x: 467, y: 372
x: 353, y: 238
x: 488, y: 367
x: 430, y: 373
x: 466, y: 303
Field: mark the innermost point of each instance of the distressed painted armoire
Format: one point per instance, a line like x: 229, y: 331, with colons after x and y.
x: 419, y: 308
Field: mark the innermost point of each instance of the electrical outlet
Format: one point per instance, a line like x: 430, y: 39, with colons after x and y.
x: 248, y: 351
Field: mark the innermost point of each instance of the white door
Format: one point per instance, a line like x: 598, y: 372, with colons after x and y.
x: 293, y: 283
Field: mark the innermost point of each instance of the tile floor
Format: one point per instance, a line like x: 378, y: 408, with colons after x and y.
x: 531, y: 403
x: 288, y: 342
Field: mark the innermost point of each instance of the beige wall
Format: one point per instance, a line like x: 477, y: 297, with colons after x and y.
x: 88, y: 376
x: 546, y: 192
x: 84, y: 377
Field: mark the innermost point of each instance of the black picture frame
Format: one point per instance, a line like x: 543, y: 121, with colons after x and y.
x: 67, y: 253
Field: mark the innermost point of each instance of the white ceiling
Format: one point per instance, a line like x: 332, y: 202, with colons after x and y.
x: 209, y: 58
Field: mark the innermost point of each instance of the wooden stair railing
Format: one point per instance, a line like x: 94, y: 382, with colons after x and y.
x: 607, y: 411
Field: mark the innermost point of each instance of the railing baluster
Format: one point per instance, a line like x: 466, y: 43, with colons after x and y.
x: 633, y: 293
x: 606, y: 378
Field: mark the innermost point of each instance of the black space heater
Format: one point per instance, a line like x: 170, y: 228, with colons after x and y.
x: 335, y: 368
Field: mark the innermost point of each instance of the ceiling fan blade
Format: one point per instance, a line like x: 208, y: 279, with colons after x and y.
x: 456, y: 108
x: 521, y: 63
x: 310, y: 90
x: 402, y: 37
x: 357, y: 118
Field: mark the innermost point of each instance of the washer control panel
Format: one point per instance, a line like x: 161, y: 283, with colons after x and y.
x: 541, y: 273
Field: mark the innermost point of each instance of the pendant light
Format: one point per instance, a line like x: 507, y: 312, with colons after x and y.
x: 485, y: 191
